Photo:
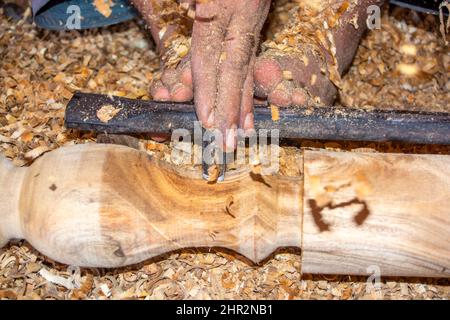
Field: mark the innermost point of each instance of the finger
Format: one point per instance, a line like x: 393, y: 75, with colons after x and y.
x: 185, y: 72
x: 240, y: 45
x: 281, y: 96
x: 246, y: 112
x: 207, y: 38
x: 178, y: 82
x: 247, y: 102
x: 159, y: 92
x: 233, y: 70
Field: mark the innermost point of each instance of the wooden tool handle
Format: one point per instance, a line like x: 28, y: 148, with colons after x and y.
x: 108, y: 206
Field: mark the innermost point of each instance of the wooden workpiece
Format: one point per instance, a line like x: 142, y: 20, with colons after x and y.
x: 109, y: 206
x: 391, y: 211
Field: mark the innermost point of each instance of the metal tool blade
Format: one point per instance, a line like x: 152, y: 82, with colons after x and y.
x: 212, y: 158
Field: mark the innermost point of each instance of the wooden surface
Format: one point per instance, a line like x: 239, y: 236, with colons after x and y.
x: 109, y: 206
x: 385, y: 210
x: 11, y: 179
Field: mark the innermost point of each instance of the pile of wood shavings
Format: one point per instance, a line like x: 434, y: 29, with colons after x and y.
x: 404, y: 65
x: 190, y: 274
x: 39, y: 72
x: 175, y: 24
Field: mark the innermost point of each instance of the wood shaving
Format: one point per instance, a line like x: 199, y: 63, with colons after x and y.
x: 409, y: 49
x: 275, y: 112
x: 213, y: 173
x: 191, y: 14
x: 404, y: 65
x: 444, y: 26
x: 287, y: 75
x: 104, y: 7
x: 33, y: 154
x: 68, y: 283
x: 107, y: 112
x: 408, y: 70
x: 228, y: 204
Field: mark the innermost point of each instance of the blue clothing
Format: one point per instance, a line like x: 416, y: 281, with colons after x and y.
x: 78, y: 14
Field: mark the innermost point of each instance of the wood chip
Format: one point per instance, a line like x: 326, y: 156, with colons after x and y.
x: 33, y: 154
x: 67, y: 283
x: 287, y: 75
x: 409, y: 70
x: 104, y: 7
x: 4, y: 139
x: 213, y: 173
x: 409, y: 49
x: 275, y: 112
x: 191, y: 14
x: 107, y: 112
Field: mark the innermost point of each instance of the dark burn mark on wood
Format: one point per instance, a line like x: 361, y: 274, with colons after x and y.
x: 213, y: 235
x: 258, y: 178
x: 362, y: 214
x: 317, y: 215
x: 316, y: 211
x: 119, y: 252
x: 53, y: 187
x: 230, y: 202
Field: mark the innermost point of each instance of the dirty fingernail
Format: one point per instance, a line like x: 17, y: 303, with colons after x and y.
x: 230, y: 142
x: 210, y: 122
x: 248, y: 122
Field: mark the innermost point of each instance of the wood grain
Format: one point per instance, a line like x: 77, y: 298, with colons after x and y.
x: 108, y: 206
x: 11, y: 179
x: 385, y: 210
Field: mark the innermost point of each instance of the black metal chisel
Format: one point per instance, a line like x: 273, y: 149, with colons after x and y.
x: 330, y: 123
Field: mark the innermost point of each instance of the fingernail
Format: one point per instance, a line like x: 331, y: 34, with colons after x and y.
x: 210, y: 122
x: 231, y: 140
x: 248, y: 122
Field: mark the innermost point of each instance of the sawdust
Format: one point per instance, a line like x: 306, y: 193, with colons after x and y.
x: 178, y: 19
x: 196, y: 275
x: 404, y: 65
x: 39, y: 72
